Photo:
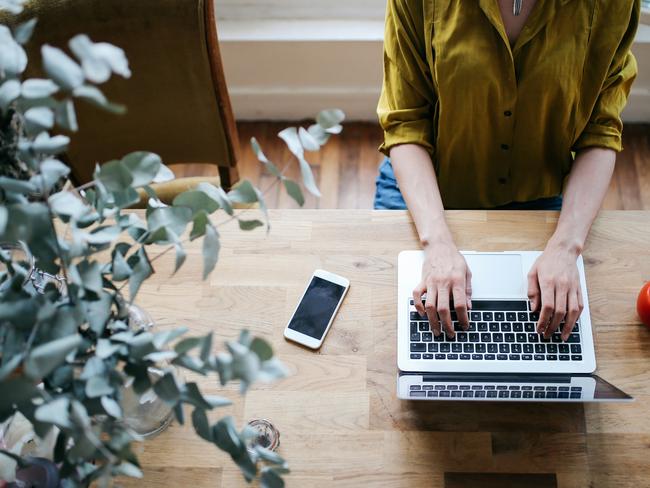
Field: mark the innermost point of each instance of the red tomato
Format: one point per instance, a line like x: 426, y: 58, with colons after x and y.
x: 643, y: 304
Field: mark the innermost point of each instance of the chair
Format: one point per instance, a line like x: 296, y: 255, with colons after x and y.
x: 177, y: 100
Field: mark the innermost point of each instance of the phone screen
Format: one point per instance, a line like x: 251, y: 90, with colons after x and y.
x: 317, y: 307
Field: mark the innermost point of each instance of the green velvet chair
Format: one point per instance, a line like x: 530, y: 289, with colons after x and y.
x: 177, y: 100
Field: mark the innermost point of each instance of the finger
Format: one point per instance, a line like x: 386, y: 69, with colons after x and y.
x: 547, y: 305
x: 533, y: 289
x: 468, y: 288
x: 573, y: 312
x: 443, y: 310
x: 432, y: 313
x: 460, y: 305
x: 561, y: 295
x: 417, y: 298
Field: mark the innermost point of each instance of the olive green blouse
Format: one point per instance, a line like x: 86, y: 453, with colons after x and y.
x: 501, y: 122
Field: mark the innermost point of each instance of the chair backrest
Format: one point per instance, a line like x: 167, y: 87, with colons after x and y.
x: 177, y: 100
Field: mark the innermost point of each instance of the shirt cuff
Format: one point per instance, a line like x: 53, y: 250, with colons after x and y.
x: 412, y: 132
x: 596, y: 135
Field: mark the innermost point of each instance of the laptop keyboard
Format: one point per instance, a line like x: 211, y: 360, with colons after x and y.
x: 547, y: 392
x: 499, y: 330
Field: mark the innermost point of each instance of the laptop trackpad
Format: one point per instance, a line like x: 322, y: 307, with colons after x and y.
x: 496, y: 275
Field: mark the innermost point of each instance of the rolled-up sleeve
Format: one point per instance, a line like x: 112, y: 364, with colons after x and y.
x: 605, y: 127
x: 407, y: 99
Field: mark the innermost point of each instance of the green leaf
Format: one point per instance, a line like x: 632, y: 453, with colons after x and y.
x: 308, y: 178
x: 39, y: 118
x: 9, y: 91
x: 13, y: 59
x: 167, y: 389
x: 61, y: 68
x: 197, y: 200
x: 319, y: 134
x: 42, y: 360
x: 166, y: 336
x: 38, y: 88
x: 292, y: 140
x: 181, y: 255
x: 115, y: 176
x: 262, y: 348
x: 120, y: 269
x: 172, y: 218
x: 269, y: 456
x: 250, y: 224
x: 10, y: 366
x: 141, y: 270
x: 50, y: 145
x: 111, y: 407
x: 12, y: 6
x: 17, y: 186
x: 23, y: 32
x: 103, y: 235
x: 331, y: 118
x: 66, y: 116
x: 211, y: 248
x: 91, y: 276
x: 144, y: 167
x: 187, y: 344
x: 225, y: 436
x: 93, y: 95
x: 100, y: 59
x: 201, y: 221
x: 261, y: 157
x: 55, y: 412
x: 294, y: 191
x: 98, y: 386
x: 164, y: 174
x: 51, y: 171
x: 4, y: 217
x: 98, y: 312
x: 105, y: 348
x: 193, y: 396
x: 127, y: 469
x: 201, y: 424
x: 65, y: 204
x: 270, y: 479
x: 218, y: 195
x: 307, y: 140
x: 243, y: 192
x: 206, y: 347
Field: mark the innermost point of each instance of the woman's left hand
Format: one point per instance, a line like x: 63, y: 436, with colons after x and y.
x: 554, y: 290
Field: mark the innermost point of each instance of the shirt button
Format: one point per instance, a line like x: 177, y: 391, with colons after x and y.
x: 503, y: 181
x: 507, y: 113
x: 505, y: 147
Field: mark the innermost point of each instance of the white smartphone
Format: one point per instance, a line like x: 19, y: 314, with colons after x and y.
x: 317, y: 308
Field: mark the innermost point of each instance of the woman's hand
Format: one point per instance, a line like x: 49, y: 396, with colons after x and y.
x: 445, y: 276
x: 554, y: 286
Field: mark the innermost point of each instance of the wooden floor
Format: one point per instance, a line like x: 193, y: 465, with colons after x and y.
x: 346, y: 167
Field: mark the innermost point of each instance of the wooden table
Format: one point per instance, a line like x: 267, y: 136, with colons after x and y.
x: 340, y: 420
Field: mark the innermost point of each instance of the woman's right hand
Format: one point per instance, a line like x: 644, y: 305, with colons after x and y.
x: 445, y: 277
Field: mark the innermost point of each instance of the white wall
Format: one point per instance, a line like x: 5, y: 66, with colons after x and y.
x: 287, y: 59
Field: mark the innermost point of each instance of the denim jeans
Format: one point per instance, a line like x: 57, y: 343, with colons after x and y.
x: 389, y: 197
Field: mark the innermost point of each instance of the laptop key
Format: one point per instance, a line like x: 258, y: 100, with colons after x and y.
x: 502, y: 357
x: 489, y: 357
x: 532, y: 337
x: 474, y: 316
x: 492, y: 394
x: 518, y: 327
x: 551, y: 357
x: 477, y: 357
x: 468, y: 394
x: 557, y: 337
x: 432, y: 347
x: 427, y: 336
x: 534, y: 316
x: 506, y: 327
x: 504, y: 394
x: 481, y: 348
x: 468, y: 347
x: 479, y: 394
x: 473, y: 337
x: 472, y: 327
x: 414, y: 327
x: 540, y: 348
x: 563, y: 394
x: 486, y: 337
x: 573, y: 338
x: 539, y: 394
x: 418, y: 347
x: 528, y: 394
x: 529, y: 326
x: 522, y: 316
x: 539, y: 357
x: 515, y: 394
x: 576, y: 357
x: 427, y: 356
x: 440, y: 356
x: 552, y: 348
x: 456, y: 394
x: 499, y: 316
x: 482, y: 326
x: 494, y: 327
x: 575, y: 395
x: 504, y: 348
x: 417, y: 316
x: 564, y: 357
x: 516, y: 348
x: 416, y: 337
x: 465, y: 356
x: 462, y: 336
x: 575, y: 348
x: 445, y: 347
x: 456, y: 347
x: 514, y: 357
x: 493, y: 348
x: 528, y: 348
x: 444, y: 394
x: 527, y: 357
x: 432, y: 393
x: 423, y: 326
x: 497, y: 337
x: 418, y: 393
x: 452, y: 356
x: 521, y: 337
x: 488, y: 316
x: 509, y: 337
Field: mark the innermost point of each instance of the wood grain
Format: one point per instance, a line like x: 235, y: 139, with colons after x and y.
x: 340, y: 421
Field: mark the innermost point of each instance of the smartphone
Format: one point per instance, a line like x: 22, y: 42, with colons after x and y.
x: 317, y: 308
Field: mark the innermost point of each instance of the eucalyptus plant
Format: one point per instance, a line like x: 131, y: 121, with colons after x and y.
x: 67, y: 352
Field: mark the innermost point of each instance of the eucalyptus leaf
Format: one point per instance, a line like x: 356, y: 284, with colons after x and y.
x: 250, y: 224
x: 141, y: 270
x: 120, y: 268
x: 218, y: 195
x: 291, y: 138
x: 38, y: 88
x: 115, y: 176
x: 262, y: 349
x: 39, y: 118
x: 44, y: 358
x: 12, y: 6
x: 111, y: 407
x: 308, y: 178
x: 50, y: 145
x: 9, y: 91
x: 263, y: 159
x: 61, y: 68
x: 55, y: 412
x: 201, y: 424
x: 167, y: 389
x: 211, y: 248
x: 51, y: 171
x: 172, y: 218
x: 164, y: 337
x: 66, y: 116
x: 23, y: 32
x: 13, y: 59
x: 65, y: 204
x: 270, y: 479
x: 99, y: 59
x: 200, y: 222
x: 243, y: 192
x: 181, y: 255
x: 128, y: 469
x: 294, y: 191
x: 319, y: 134
x: 98, y: 386
x: 197, y: 201
x: 164, y: 174
x: 10, y: 366
x: 308, y: 141
x: 93, y: 95
x: 330, y: 118
x: 144, y: 167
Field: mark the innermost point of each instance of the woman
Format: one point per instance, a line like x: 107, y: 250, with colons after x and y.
x: 503, y: 104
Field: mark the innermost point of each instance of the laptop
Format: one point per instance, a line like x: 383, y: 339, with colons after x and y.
x: 501, y: 357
